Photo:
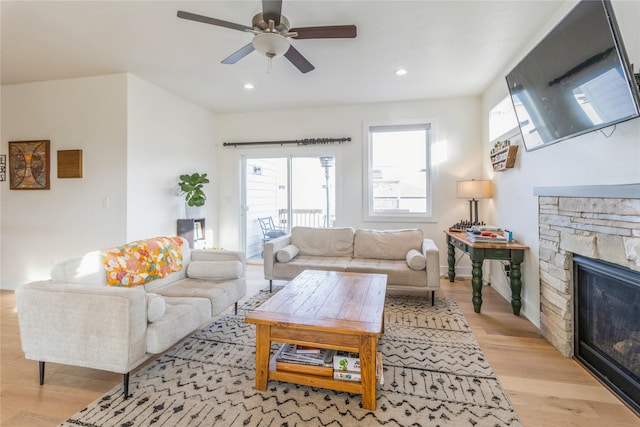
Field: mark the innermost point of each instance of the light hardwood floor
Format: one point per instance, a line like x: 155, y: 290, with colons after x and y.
x: 545, y: 388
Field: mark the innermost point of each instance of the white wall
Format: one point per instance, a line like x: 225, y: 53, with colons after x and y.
x: 167, y: 137
x: 585, y: 160
x: 136, y: 139
x: 457, y: 134
x: 40, y: 227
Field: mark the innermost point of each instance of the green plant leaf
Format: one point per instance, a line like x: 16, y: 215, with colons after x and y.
x: 191, y: 186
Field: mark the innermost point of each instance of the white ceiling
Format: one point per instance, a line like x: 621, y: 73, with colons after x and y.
x: 450, y: 48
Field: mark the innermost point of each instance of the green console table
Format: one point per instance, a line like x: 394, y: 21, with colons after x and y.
x: 478, y: 252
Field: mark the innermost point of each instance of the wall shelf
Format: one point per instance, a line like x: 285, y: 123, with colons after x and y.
x: 504, y: 158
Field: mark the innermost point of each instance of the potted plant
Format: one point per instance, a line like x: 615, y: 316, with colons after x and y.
x: 191, y: 186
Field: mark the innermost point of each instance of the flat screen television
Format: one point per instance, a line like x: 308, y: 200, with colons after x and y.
x: 576, y: 80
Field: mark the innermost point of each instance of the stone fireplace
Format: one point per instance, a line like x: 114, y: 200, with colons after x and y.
x: 598, y: 222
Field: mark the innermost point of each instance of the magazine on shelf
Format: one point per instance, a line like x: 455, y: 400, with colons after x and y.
x: 305, y: 349
x: 287, y: 353
x: 198, y: 231
x: 486, y: 234
x: 346, y: 361
x: 347, y: 376
x: 478, y: 238
x: 340, y: 374
x: 490, y: 228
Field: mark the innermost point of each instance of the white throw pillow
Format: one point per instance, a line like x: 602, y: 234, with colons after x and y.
x: 415, y: 260
x: 216, y: 270
x: 287, y: 253
x: 156, y: 306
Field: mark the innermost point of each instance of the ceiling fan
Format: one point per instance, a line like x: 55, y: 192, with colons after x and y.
x: 272, y: 32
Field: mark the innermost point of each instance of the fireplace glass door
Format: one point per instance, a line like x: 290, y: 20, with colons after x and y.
x: 607, y: 330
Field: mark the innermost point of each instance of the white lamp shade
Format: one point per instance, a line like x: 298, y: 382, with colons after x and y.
x: 271, y: 44
x: 474, y: 189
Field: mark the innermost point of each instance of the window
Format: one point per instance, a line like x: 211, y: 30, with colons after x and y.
x: 502, y: 119
x: 398, y: 174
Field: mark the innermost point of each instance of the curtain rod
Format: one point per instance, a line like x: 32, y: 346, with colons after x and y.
x: 308, y: 141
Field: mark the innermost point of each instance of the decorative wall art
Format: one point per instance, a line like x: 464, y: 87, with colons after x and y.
x: 69, y: 163
x: 29, y: 165
x: 3, y: 167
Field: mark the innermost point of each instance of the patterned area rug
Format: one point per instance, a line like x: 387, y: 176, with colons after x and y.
x: 434, y: 375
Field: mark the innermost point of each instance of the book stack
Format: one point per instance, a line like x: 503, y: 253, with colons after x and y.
x: 346, y: 366
x: 486, y: 234
x: 305, y: 360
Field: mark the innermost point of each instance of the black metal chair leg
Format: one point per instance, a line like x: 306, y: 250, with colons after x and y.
x: 126, y: 379
x: 126, y: 386
x: 270, y: 283
x: 236, y: 308
x: 41, y: 366
x: 433, y: 298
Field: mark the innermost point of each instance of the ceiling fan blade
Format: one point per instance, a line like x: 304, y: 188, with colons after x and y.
x: 239, y: 54
x: 327, y: 32
x: 271, y: 10
x: 298, y: 60
x: 213, y: 21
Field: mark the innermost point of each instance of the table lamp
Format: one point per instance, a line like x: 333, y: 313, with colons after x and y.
x: 474, y: 190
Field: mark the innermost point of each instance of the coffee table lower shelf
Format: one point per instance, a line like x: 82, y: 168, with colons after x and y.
x: 317, y: 381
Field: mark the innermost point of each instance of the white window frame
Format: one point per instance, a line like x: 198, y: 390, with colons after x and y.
x: 387, y: 216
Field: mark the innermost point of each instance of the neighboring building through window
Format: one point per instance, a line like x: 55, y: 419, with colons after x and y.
x: 398, y: 173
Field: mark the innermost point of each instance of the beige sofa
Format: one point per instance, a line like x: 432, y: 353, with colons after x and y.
x: 79, y: 318
x: 410, y: 261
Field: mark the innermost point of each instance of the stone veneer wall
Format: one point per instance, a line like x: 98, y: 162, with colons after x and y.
x: 602, y: 228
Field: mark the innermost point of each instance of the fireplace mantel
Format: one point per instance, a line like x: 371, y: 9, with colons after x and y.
x: 621, y: 191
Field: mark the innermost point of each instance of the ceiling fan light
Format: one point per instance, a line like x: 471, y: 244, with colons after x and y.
x: 271, y: 44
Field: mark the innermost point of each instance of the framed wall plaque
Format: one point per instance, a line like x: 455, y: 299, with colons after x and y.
x: 69, y: 163
x: 29, y: 165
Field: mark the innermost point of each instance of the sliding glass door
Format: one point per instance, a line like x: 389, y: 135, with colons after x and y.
x: 291, y: 191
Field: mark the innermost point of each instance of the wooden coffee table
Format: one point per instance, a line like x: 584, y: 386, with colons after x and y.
x: 325, y: 309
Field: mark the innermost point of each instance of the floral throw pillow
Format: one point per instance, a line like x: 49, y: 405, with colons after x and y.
x: 142, y: 261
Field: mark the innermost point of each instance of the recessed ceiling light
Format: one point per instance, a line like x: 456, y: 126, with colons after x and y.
x: 400, y: 72
x: 248, y: 85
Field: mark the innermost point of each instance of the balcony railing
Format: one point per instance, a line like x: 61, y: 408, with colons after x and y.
x: 302, y: 218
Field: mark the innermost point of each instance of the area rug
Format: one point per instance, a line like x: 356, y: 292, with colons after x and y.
x: 435, y: 374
